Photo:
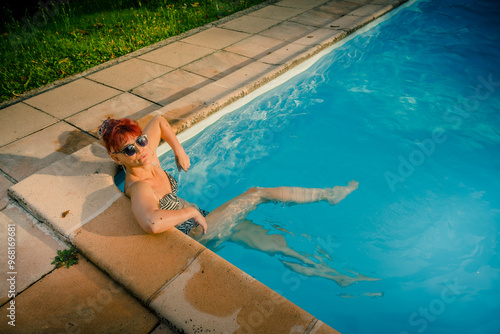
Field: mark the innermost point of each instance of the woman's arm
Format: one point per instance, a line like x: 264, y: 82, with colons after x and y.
x: 151, y: 218
x: 158, y: 128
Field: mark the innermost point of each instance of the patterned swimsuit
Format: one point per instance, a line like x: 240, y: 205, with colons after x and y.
x: 171, y: 202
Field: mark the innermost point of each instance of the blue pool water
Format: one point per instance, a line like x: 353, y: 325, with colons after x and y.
x: 410, y: 109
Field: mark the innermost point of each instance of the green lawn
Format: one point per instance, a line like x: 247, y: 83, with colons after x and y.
x: 70, y: 36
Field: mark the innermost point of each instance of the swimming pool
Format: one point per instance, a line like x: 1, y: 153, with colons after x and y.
x: 409, y: 109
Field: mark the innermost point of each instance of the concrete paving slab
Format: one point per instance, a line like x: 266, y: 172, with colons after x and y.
x: 339, y: 7
x: 384, y: 9
x: 250, y: 24
x: 320, y: 36
x: 193, y: 107
x: 213, y: 295
x: 129, y: 74
x: 256, y: 46
x: 217, y: 65
x: 246, y: 78
x: 35, y: 249
x: 41, y: 149
x: 367, y: 10
x: 277, y: 12
x: 315, y: 18
x: 163, y: 329
x: 387, y: 2
x: 80, y: 299
x: 4, y: 185
x: 213, y: 97
x: 287, y: 31
x: 363, y: 2
x: 124, y: 105
x: 301, y: 3
x: 321, y: 328
x: 348, y: 23
x: 216, y: 38
x: 70, y: 192
x: 14, y: 125
x: 285, y: 54
x: 176, y: 54
x: 142, y: 263
x: 71, y: 98
x: 171, y: 86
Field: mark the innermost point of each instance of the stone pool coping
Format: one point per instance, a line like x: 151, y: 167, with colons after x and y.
x: 188, y: 286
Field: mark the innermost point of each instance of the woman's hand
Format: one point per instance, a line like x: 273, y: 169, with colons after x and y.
x: 182, y: 161
x: 198, y: 217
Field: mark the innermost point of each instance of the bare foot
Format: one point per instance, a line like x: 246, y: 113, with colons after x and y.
x: 336, y: 194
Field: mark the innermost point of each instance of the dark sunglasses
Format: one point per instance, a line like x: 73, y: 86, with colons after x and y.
x: 130, y: 149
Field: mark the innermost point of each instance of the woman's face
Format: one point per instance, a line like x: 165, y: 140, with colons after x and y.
x: 134, y: 153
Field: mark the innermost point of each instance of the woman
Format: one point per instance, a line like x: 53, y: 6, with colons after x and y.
x: 157, y: 208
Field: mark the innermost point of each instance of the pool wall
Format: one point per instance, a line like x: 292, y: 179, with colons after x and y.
x: 188, y: 286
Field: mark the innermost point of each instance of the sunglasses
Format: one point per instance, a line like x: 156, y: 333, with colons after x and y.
x: 130, y: 149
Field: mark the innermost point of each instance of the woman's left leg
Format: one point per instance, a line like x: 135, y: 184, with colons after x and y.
x: 222, y: 221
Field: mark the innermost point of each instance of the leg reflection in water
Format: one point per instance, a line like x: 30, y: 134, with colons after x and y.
x: 228, y: 223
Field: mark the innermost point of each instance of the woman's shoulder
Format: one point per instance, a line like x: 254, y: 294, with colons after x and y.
x: 137, y: 187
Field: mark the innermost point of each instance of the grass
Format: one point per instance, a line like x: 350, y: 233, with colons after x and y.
x: 69, y: 36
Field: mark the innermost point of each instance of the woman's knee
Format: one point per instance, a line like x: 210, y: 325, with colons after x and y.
x: 252, y: 190
x: 257, y: 193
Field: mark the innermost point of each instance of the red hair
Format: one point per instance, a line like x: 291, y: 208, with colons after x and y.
x: 115, y: 133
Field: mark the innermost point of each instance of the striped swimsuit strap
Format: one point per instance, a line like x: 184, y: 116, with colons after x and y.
x: 170, y: 201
